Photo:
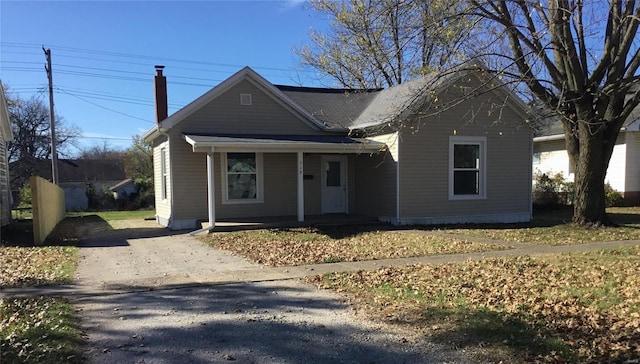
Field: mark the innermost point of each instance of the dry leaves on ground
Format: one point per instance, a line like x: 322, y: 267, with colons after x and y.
x: 285, y: 247
x: 38, y: 330
x: 33, y: 266
x: 587, y: 303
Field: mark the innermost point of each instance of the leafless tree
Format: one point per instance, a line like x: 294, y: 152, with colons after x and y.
x: 580, y: 60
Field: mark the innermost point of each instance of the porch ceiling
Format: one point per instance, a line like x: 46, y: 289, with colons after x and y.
x: 283, y: 143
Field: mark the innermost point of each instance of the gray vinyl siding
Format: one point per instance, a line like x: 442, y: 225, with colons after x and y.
x: 424, y: 162
x: 279, y: 178
x: 225, y: 115
x: 5, y: 191
x: 189, y: 178
x: 312, y: 184
x: 375, y: 185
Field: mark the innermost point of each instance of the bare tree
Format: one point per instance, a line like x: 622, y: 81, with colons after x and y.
x: 101, y: 151
x: 381, y: 43
x: 31, y: 137
x: 580, y: 59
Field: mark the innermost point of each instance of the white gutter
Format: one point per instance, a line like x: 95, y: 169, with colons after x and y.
x: 548, y: 138
x: 227, y: 144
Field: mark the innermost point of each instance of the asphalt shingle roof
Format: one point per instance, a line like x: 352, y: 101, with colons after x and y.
x: 354, y: 109
x: 337, y: 108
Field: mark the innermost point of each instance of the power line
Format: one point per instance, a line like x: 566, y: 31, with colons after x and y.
x: 153, y: 59
x: 108, y: 109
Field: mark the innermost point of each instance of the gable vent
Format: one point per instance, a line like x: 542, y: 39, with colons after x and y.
x: 245, y: 99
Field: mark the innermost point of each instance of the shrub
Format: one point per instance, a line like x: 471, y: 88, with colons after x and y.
x: 25, y: 196
x: 611, y: 196
x: 551, y: 191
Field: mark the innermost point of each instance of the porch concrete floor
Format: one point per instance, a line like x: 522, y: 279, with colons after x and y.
x: 269, y: 222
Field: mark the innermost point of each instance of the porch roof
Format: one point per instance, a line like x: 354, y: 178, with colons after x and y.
x: 283, y: 143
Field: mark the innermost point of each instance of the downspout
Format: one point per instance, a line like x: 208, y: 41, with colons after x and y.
x: 531, y: 175
x: 398, y: 181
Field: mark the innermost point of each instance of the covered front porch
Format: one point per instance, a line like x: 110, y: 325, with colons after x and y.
x: 242, y: 177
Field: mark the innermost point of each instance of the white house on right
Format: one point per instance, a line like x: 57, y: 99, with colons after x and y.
x: 550, y: 157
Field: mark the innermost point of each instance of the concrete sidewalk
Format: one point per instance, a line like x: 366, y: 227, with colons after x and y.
x: 244, y: 272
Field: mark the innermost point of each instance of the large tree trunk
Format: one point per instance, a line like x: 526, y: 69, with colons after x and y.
x: 589, y: 154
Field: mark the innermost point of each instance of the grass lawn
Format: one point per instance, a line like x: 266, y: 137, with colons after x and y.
x: 555, y: 228
x: 582, y: 308
x: 299, y: 246
x: 118, y: 215
x: 38, y: 330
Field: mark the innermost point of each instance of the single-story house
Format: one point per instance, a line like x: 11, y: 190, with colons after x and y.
x: 6, y: 135
x: 550, y: 157
x: 75, y: 176
x: 450, y: 149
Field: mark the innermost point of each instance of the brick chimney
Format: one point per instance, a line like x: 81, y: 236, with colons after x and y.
x: 160, y: 83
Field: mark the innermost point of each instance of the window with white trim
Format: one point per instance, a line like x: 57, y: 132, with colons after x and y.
x: 163, y: 172
x: 242, y: 177
x: 467, y: 167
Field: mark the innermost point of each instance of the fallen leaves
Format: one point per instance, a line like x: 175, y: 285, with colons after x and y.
x: 300, y: 246
x: 38, y: 330
x: 33, y: 266
x: 581, y: 307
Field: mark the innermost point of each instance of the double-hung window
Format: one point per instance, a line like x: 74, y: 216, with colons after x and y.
x: 467, y: 167
x: 242, y: 177
x: 163, y: 173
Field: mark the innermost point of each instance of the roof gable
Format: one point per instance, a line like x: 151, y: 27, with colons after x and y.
x: 245, y: 74
x: 327, y: 109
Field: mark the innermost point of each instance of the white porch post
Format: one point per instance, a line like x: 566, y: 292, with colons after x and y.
x: 211, y: 193
x: 300, y: 186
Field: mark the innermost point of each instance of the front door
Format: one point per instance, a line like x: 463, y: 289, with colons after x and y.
x: 334, y: 184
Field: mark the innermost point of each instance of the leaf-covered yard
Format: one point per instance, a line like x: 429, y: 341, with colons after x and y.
x: 38, y: 329
x: 300, y: 246
x: 583, y: 307
x: 36, y: 266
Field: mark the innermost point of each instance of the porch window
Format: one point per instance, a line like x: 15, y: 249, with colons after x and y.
x: 242, y: 176
x: 467, y: 167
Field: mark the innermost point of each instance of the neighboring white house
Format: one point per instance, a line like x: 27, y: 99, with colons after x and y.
x: 550, y: 157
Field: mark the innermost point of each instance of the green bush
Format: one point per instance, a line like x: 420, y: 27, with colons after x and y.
x: 25, y: 196
x: 552, y: 191
x: 611, y: 196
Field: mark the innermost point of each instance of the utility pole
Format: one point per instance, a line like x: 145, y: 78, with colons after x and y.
x: 54, y: 152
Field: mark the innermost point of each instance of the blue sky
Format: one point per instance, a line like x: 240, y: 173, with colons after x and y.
x: 104, y: 53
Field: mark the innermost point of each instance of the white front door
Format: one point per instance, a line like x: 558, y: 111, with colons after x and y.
x: 334, y: 184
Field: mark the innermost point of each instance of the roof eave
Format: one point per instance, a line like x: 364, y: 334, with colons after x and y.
x: 223, y: 144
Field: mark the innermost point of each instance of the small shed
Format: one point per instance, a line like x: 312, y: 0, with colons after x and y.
x: 124, y: 189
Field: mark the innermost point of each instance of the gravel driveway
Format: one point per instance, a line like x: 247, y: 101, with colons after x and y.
x: 137, y: 316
